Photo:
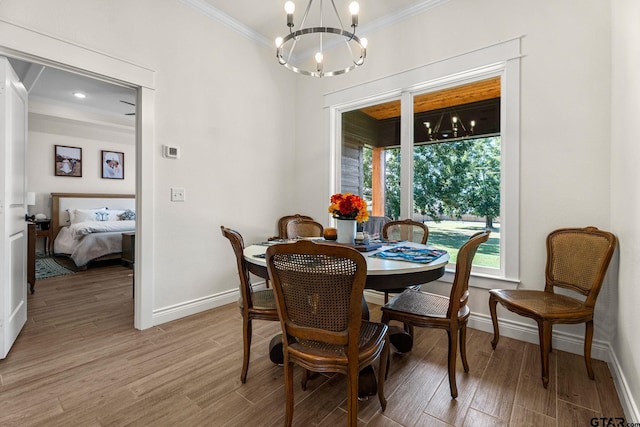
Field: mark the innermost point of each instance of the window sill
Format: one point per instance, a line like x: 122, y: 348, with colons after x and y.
x: 483, y: 281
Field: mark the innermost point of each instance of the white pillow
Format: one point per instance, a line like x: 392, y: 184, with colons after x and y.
x: 83, y: 215
x: 114, y: 214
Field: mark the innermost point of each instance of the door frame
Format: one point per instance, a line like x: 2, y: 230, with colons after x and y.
x: 27, y: 45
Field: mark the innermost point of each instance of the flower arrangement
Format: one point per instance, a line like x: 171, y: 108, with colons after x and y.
x: 349, y: 206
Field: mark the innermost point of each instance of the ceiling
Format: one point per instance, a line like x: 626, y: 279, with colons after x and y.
x: 267, y: 18
x: 263, y: 21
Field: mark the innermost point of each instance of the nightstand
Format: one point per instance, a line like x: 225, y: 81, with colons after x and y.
x: 129, y: 249
x: 43, y: 229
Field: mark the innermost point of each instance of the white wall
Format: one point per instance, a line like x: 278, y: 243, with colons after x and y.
x: 625, y: 191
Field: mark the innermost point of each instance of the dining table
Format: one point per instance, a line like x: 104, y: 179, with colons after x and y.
x: 382, y: 273
x: 385, y: 271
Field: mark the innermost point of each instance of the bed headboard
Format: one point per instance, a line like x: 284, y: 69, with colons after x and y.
x: 60, y: 202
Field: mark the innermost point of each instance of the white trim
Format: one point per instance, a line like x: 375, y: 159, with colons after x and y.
x: 188, y: 308
x: 213, y: 13
x: 622, y: 387
x: 40, y: 48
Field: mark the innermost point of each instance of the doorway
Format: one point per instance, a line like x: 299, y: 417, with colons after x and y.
x: 34, y: 47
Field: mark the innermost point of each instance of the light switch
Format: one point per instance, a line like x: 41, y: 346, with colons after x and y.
x: 177, y: 194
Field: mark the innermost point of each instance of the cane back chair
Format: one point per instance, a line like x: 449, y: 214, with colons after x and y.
x: 253, y: 304
x: 577, y: 259
x: 426, y: 310
x: 319, y: 290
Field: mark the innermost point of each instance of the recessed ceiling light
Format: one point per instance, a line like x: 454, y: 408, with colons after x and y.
x: 79, y: 95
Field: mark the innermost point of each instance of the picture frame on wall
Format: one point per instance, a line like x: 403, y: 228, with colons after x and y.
x: 112, y: 165
x: 68, y: 161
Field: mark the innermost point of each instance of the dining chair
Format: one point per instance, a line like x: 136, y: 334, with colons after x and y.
x: 375, y: 224
x: 577, y: 260
x: 319, y: 291
x: 427, y: 310
x: 404, y: 229
x: 282, y: 224
x: 304, y: 228
x: 258, y: 305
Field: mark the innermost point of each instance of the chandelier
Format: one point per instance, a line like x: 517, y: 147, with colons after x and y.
x: 348, y: 51
x: 457, y: 129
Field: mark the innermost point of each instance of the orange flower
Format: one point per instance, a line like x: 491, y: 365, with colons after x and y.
x: 349, y: 206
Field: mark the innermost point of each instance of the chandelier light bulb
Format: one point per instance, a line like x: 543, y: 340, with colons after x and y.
x: 354, y: 8
x: 278, y: 42
x: 454, y: 119
x: 364, y: 42
x: 289, y: 7
x: 319, y: 57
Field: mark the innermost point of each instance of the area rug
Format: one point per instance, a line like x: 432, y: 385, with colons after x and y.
x: 48, y: 267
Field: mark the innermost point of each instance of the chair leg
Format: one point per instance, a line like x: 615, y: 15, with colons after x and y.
x: 463, y: 346
x: 246, y: 338
x: 288, y: 384
x: 588, y: 337
x: 386, y: 297
x: 305, y: 378
x: 383, y: 371
x: 453, y: 344
x: 494, y: 319
x: 544, y: 329
x: 352, y: 398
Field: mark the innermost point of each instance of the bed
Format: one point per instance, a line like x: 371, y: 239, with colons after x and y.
x: 88, y: 226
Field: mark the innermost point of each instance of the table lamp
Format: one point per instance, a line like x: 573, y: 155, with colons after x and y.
x: 31, y: 201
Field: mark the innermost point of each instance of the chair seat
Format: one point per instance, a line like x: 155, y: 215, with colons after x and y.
x: 421, y: 304
x: 371, y: 335
x: 262, y: 300
x: 545, y: 305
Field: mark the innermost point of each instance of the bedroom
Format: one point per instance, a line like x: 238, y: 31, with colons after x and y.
x: 93, y: 128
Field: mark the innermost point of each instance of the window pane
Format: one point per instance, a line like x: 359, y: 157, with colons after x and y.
x: 457, y: 193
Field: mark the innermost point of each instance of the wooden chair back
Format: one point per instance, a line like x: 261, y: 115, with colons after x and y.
x: 459, y: 294
x: 282, y: 223
x: 318, y: 292
x: 406, y: 229
x: 304, y: 228
x: 578, y: 259
x: 237, y: 243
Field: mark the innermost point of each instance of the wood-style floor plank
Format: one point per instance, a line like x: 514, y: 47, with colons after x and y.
x: 80, y: 362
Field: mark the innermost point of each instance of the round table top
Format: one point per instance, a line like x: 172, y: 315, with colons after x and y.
x: 375, y: 266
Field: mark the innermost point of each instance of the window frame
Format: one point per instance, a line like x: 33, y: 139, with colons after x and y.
x: 503, y: 60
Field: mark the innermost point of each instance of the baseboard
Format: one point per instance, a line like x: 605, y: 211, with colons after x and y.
x: 631, y: 412
x: 189, y: 308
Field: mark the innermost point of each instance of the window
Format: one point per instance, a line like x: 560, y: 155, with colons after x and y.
x: 418, y: 151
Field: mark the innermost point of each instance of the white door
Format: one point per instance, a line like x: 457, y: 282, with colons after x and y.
x: 13, y: 229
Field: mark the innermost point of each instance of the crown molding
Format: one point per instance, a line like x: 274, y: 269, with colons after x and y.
x: 213, y: 13
x: 208, y: 10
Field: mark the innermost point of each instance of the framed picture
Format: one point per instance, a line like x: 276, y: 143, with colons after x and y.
x: 112, y: 165
x: 68, y: 161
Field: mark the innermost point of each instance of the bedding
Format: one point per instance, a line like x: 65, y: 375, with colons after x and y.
x: 80, y: 229
x: 88, y: 247
x: 89, y: 226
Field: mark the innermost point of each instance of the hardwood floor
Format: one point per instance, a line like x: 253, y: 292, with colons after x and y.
x: 80, y: 362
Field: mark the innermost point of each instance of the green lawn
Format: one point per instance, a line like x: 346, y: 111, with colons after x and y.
x: 450, y: 235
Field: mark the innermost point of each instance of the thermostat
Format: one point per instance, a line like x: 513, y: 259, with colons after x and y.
x: 171, y: 152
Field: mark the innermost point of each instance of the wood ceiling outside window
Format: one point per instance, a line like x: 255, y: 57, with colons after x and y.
x: 459, y: 95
